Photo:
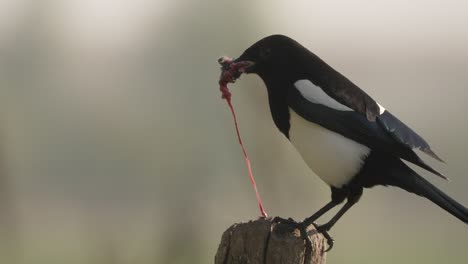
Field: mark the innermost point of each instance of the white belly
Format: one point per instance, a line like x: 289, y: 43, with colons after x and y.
x: 334, y: 158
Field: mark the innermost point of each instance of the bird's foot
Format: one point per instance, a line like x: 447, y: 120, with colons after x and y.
x: 323, y: 229
x: 303, y: 226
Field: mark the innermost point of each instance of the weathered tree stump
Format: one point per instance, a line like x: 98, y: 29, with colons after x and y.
x: 271, y: 241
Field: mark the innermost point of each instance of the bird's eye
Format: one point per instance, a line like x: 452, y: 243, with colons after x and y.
x: 265, y: 53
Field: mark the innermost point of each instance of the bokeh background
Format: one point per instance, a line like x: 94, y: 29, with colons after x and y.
x: 116, y: 146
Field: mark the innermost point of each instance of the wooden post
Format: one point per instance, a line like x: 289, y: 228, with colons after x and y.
x: 271, y: 241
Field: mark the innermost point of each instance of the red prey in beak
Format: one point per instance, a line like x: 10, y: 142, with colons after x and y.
x: 231, y: 70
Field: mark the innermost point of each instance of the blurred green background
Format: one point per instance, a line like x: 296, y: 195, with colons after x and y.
x: 116, y: 146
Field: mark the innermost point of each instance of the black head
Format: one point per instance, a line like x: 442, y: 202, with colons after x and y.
x: 273, y: 54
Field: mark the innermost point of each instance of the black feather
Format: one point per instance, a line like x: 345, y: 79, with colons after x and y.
x: 383, y: 169
x: 405, y: 135
x: 357, y: 127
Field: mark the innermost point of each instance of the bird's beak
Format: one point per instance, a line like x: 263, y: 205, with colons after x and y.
x: 231, y: 69
x: 248, y: 66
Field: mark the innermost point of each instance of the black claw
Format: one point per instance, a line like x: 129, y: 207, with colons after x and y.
x: 323, y: 230
x: 330, y: 241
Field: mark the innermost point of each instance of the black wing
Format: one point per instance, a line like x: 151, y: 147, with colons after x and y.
x: 405, y: 135
x: 388, y: 134
x: 339, y: 87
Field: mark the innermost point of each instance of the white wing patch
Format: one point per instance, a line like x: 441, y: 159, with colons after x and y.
x: 381, y: 108
x: 316, y: 95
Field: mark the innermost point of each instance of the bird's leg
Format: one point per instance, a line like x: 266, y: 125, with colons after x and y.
x: 338, y: 196
x: 353, y: 198
x: 332, y: 222
x: 311, y: 219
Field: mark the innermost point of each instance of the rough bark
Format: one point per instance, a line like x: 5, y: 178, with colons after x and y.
x: 271, y: 241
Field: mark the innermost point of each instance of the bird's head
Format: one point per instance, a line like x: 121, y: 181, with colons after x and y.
x: 271, y: 55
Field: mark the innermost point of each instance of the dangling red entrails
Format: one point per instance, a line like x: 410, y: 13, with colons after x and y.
x: 229, y: 73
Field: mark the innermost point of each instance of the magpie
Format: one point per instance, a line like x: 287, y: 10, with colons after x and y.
x: 346, y: 137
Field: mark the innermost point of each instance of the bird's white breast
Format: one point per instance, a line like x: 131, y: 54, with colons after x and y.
x: 334, y: 158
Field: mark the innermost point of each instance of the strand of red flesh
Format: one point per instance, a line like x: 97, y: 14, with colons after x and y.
x: 227, y: 76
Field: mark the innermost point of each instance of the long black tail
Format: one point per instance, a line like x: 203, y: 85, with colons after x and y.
x: 426, y: 189
x: 409, y: 180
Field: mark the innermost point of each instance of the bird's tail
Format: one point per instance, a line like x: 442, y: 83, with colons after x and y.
x: 426, y: 189
x: 416, y: 184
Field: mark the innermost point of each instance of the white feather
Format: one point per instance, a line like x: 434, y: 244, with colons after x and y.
x: 334, y: 158
x: 316, y: 95
x: 381, y: 108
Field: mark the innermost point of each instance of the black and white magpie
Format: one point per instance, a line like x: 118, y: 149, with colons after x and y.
x: 348, y: 139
